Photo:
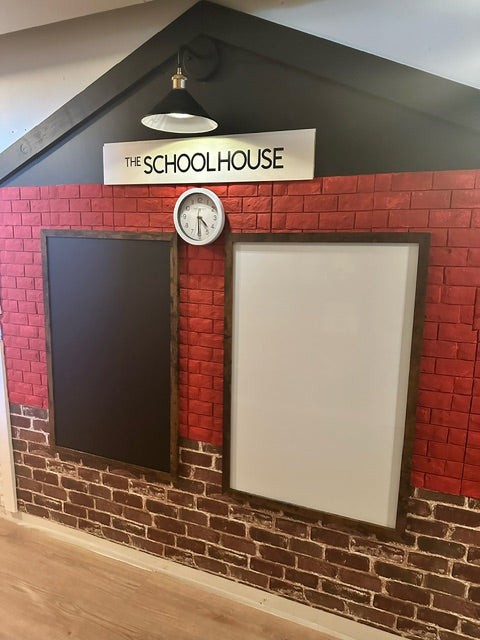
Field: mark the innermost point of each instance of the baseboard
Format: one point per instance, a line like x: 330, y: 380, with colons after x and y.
x: 328, y: 623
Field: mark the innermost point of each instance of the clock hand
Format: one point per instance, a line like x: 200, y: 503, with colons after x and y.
x: 203, y: 222
x: 198, y: 222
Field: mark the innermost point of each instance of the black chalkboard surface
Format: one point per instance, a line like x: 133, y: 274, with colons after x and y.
x: 111, y: 332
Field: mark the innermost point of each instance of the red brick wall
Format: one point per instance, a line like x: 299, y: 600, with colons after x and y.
x: 446, y: 204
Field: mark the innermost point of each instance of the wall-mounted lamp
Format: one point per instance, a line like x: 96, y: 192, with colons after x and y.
x: 179, y: 112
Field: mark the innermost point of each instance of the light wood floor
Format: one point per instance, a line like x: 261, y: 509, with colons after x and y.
x: 51, y: 590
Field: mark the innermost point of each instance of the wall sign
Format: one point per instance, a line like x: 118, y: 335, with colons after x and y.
x: 253, y: 157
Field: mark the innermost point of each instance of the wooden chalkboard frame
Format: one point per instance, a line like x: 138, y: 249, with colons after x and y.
x: 328, y: 519
x: 93, y: 459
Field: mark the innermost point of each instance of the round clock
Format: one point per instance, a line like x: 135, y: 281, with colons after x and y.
x: 199, y: 216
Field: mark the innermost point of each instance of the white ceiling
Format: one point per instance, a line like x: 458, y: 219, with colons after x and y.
x: 24, y: 14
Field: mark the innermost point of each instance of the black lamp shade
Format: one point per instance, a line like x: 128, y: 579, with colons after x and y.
x: 179, y: 112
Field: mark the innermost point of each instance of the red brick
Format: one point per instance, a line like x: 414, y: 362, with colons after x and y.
x: 471, y: 488
x: 474, y: 440
x: 79, y: 204
x: 457, y: 332
x: 450, y: 217
x: 457, y: 436
x: 442, y: 484
x: 438, y: 237
x: 446, y: 451
x: 458, y: 295
x: 412, y: 181
x: 466, y: 198
x: 446, y: 256
x: 303, y: 187
x: 287, y: 204
x: 472, y: 456
x: 307, y: 221
x: 371, y: 219
x: 454, y: 179
x: 463, y: 368
x: 435, y: 399
x: 336, y: 220
x: 257, y: 204
x: 92, y: 218
x: 440, y: 348
x: 464, y: 237
x: 430, y: 199
x: 340, y: 184
x: 389, y: 200
x: 428, y: 465
x: 433, y: 382
x: 366, y: 183
x: 319, y: 203
x: 243, y: 189
x: 136, y: 220
x: 9, y: 193
x: 473, y: 258
x: 442, y: 312
x: 356, y: 202
x: 431, y: 432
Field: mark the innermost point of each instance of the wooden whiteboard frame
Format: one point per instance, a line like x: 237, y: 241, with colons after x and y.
x: 422, y: 241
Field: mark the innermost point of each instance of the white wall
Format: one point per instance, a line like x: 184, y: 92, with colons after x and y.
x: 42, y: 68
x: 438, y: 36
x: 32, y: 13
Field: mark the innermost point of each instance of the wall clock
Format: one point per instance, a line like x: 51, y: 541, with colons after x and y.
x: 199, y: 216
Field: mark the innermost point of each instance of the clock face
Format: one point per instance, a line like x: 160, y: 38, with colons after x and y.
x: 199, y: 216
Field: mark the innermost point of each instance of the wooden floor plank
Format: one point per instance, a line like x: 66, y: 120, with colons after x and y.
x: 52, y: 590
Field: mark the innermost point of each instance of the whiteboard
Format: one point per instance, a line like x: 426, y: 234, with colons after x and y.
x: 320, y: 361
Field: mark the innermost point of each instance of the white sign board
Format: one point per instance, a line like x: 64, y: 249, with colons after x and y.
x: 253, y: 157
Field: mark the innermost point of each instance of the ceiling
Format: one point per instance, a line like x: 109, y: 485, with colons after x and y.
x: 25, y: 14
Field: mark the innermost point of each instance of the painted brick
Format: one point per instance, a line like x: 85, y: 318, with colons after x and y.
x: 366, y: 183
x: 257, y: 205
x: 317, y: 203
x: 298, y: 221
x: 465, y: 198
x: 355, y: 202
x: 337, y: 220
x: 464, y: 237
x: 451, y: 271
x: 430, y: 199
x: 446, y: 451
x: 287, y: 204
x: 442, y: 484
x: 391, y: 200
x: 454, y: 179
x: 450, y: 218
x: 340, y: 184
x: 411, y: 181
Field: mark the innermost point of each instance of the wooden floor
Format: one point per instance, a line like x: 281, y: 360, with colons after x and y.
x: 51, y: 590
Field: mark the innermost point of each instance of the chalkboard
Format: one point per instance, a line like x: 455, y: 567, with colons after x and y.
x: 111, y: 301
x: 323, y: 335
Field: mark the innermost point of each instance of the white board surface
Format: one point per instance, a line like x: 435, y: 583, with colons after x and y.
x: 320, y: 364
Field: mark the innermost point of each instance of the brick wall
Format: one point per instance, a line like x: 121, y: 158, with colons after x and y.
x: 426, y: 587
x: 446, y: 204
